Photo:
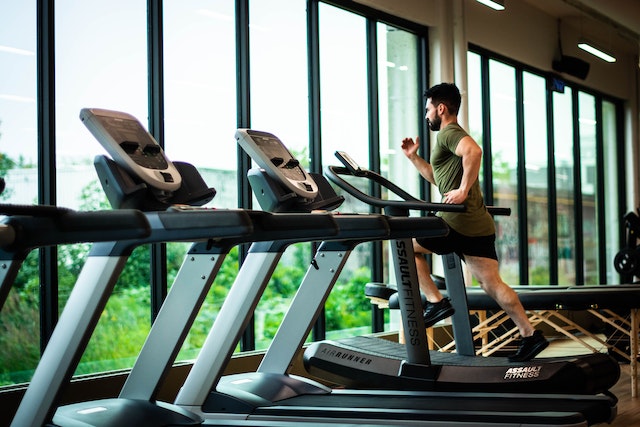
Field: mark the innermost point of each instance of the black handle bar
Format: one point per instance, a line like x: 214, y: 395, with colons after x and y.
x: 29, y: 227
x: 409, y: 202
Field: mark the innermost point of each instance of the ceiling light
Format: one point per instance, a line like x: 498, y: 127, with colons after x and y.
x: 15, y: 50
x: 493, y: 4
x: 596, y: 51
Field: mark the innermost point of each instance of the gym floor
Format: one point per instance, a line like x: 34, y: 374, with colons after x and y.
x: 628, y: 407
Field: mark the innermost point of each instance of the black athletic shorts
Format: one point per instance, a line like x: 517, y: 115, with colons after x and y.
x: 480, y: 246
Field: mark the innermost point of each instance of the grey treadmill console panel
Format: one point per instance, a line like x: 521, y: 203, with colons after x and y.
x: 272, y: 156
x: 132, y: 147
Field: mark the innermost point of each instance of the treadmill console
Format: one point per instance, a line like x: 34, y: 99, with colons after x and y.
x: 131, y: 146
x: 272, y: 155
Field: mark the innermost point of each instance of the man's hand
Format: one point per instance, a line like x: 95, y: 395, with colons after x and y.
x: 410, y: 148
x: 456, y: 196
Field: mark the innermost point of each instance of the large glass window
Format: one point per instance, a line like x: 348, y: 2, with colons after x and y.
x: 589, y: 185
x: 565, y: 188
x: 401, y: 109
x: 18, y: 148
x: 474, y: 99
x: 100, y: 63
x: 575, y: 228
x: 199, y: 91
x: 200, y: 121
x: 343, y: 84
x: 475, y: 129
x: 19, y: 321
x: 344, y: 126
x: 611, y: 190
x: 279, y: 105
x: 279, y: 76
x: 504, y: 158
x: 536, y: 174
x: 400, y: 102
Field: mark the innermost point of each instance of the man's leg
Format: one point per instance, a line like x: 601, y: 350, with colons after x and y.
x: 437, y: 308
x: 485, y: 270
x: 427, y: 286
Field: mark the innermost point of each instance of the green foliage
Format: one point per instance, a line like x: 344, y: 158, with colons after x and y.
x: 539, y: 276
x: 93, y: 198
x: 122, y: 329
x: 280, y: 290
x: 348, y: 307
x: 6, y: 164
x: 211, y: 305
x: 19, y: 338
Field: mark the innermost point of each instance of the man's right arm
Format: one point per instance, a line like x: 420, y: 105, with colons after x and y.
x: 410, y: 149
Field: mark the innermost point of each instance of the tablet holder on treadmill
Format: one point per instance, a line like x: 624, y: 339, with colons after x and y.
x: 280, y: 184
x: 140, y: 176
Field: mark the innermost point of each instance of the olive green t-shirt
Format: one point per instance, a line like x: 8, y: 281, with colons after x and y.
x: 447, y: 171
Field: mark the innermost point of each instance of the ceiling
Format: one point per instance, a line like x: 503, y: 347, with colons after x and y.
x: 621, y: 15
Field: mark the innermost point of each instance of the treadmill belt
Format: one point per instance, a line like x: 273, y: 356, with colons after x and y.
x: 393, y: 350
x: 551, y: 409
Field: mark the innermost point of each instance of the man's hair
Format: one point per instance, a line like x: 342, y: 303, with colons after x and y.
x: 447, y: 94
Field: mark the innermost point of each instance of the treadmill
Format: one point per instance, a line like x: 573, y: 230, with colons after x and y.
x: 147, y: 181
x: 462, y: 371
x: 272, y: 395
x: 27, y: 227
x: 136, y: 402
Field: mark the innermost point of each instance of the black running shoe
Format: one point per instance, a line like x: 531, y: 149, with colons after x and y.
x: 529, y: 347
x: 436, y: 311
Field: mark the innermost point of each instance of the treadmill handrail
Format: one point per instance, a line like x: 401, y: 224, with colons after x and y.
x: 409, y: 202
x: 40, y: 226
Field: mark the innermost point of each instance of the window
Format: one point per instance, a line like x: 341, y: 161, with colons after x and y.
x: 504, y: 160
x: 474, y: 100
x: 611, y: 208
x: 344, y: 125
x: 18, y: 155
x: 401, y: 102
x: 565, y: 187
x: 582, y: 231
x: 279, y: 76
x: 199, y: 91
x: 589, y: 185
x: 343, y: 83
x: 401, y: 115
x: 19, y: 319
x: 99, y: 67
x: 200, y: 121
x: 536, y: 175
x: 279, y: 105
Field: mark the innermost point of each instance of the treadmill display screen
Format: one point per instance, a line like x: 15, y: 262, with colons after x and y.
x: 135, y: 141
x: 277, y: 153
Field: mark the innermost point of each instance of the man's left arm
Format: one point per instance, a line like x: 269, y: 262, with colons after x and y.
x: 471, y: 154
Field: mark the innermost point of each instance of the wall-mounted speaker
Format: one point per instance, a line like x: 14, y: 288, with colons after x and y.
x: 571, y: 65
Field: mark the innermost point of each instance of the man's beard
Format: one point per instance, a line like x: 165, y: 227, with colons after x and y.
x: 435, y: 124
